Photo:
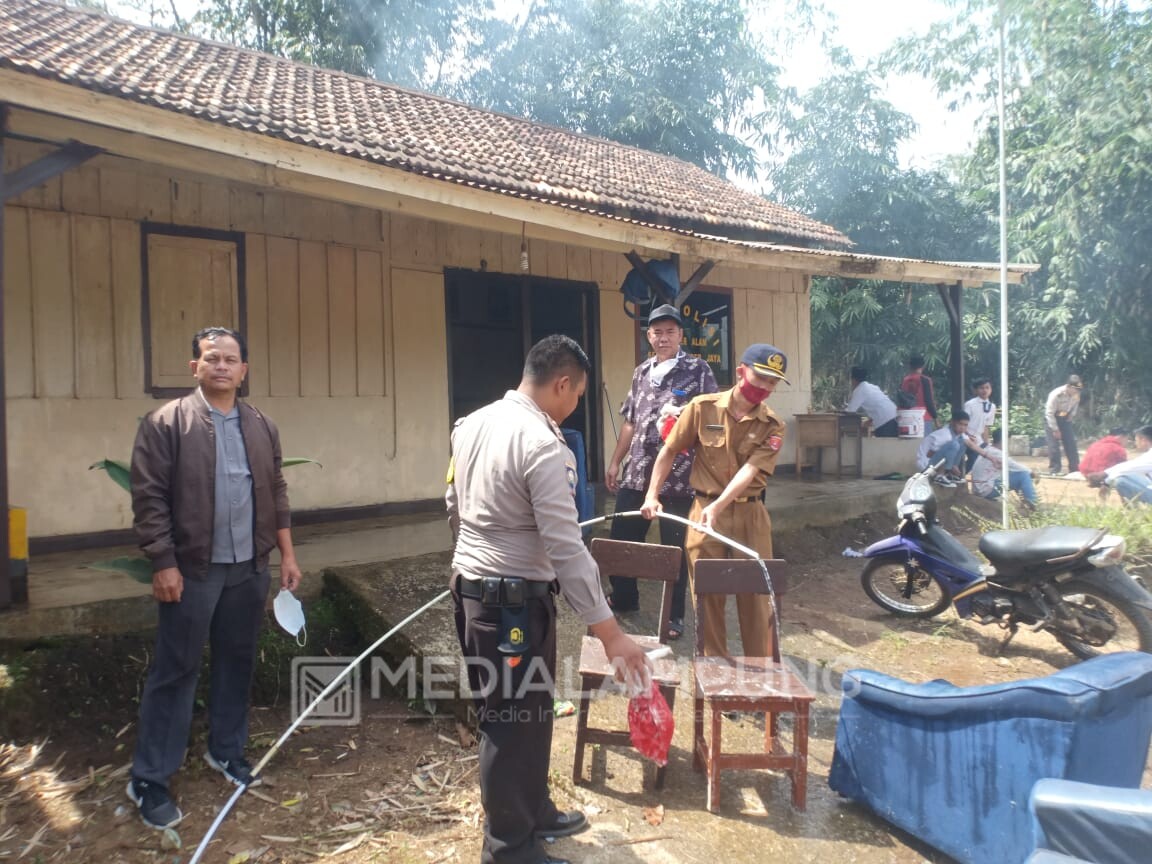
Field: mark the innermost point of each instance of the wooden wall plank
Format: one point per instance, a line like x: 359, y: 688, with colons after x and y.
x: 245, y: 208
x: 185, y: 202
x: 53, y: 332
x: 17, y: 154
x: 154, y: 197
x: 92, y: 304
x: 369, y: 324
x: 510, y: 254
x: 314, y: 375
x: 274, y: 206
x: 283, y: 317
x: 214, y: 205
x: 124, y: 242
x: 19, y: 350
x: 579, y: 263
x: 342, y: 320
x: 557, y: 260
x: 256, y: 291
x: 118, y: 191
x: 81, y: 189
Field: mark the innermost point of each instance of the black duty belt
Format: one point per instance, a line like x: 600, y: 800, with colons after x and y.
x: 510, y: 594
x: 745, y: 500
x: 498, y: 594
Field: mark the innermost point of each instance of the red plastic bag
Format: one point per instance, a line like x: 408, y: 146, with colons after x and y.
x: 651, y: 725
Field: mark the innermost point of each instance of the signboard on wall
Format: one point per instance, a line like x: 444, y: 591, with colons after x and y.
x: 708, y: 332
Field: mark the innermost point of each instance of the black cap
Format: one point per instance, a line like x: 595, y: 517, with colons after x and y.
x: 665, y: 311
x: 766, y: 360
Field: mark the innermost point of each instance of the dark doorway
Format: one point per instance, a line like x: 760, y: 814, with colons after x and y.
x: 494, y: 318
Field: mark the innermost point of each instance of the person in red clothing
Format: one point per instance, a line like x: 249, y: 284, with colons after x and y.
x: 921, y: 390
x: 1103, y: 454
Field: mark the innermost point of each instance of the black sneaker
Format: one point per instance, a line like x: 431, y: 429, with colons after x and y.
x: 156, y: 806
x: 237, y: 771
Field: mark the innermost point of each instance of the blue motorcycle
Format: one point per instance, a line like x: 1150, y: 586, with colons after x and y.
x: 1067, y: 581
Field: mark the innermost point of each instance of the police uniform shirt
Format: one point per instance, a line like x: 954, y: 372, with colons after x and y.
x: 511, y: 498
x: 724, y: 444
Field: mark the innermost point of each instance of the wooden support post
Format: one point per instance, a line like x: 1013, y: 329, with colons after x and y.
x: 952, y: 297
x: 5, y: 566
x: 46, y: 167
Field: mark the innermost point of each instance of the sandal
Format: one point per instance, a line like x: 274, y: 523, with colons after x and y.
x: 675, y: 629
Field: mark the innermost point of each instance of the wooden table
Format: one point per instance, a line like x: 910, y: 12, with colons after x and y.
x: 829, y: 430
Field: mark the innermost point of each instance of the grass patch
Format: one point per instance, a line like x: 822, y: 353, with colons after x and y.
x: 1133, y: 522
x: 48, y: 685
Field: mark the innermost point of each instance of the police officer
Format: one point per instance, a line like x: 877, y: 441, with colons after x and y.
x: 518, y: 543
x: 737, y: 439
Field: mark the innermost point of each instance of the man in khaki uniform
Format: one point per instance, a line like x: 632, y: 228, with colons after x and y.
x: 511, y: 505
x: 737, y: 440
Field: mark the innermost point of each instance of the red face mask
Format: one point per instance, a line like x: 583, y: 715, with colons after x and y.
x: 752, y: 393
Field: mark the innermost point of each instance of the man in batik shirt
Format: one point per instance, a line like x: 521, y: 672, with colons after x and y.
x: 661, y: 386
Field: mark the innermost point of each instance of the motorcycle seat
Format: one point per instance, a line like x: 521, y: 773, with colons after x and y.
x: 1010, y: 550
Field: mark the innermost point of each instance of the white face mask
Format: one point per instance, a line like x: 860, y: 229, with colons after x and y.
x: 290, y: 615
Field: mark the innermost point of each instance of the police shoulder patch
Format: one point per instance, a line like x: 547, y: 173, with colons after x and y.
x: 775, y: 442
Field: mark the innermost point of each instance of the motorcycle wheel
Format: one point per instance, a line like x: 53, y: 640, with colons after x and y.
x: 887, y: 579
x: 1110, y: 622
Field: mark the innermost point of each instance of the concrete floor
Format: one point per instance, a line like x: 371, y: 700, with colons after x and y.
x: 69, y: 596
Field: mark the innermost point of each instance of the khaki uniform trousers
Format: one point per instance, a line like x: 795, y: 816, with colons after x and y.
x: 748, y: 523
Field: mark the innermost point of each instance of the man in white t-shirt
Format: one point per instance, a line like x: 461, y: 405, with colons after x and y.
x: 947, y: 443
x: 988, y: 477
x: 981, y: 411
x: 1132, y: 479
x: 870, y: 399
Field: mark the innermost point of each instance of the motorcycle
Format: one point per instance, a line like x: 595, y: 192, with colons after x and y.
x: 1067, y: 581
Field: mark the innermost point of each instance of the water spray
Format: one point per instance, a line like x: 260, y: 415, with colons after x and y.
x: 339, y: 679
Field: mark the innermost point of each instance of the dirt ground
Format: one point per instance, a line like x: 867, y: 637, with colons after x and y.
x: 402, y: 785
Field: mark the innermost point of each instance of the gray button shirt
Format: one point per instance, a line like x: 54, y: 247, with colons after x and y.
x: 233, y: 515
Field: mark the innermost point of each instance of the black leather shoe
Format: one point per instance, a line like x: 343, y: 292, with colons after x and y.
x: 572, y: 822
x: 551, y: 860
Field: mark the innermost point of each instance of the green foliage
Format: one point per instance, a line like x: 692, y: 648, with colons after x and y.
x: 407, y: 42
x: 680, y: 77
x: 118, y: 471
x: 843, y: 168
x: 1080, y: 185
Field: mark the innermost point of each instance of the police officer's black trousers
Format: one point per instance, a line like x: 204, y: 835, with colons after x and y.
x: 625, y: 596
x: 515, y: 712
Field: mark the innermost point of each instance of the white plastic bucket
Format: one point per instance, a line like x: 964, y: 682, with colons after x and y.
x: 910, y: 423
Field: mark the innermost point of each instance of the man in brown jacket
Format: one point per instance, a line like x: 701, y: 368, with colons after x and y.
x: 209, y: 503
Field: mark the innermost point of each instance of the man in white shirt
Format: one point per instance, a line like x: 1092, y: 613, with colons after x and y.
x: 947, y: 443
x: 988, y: 477
x: 1132, y: 479
x: 870, y: 399
x: 981, y: 411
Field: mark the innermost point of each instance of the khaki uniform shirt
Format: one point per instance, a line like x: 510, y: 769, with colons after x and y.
x: 511, y: 502
x: 724, y: 444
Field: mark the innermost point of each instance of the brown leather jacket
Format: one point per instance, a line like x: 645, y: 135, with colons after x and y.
x: 174, y: 484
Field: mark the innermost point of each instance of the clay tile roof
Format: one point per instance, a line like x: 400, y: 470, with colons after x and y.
x: 388, y: 125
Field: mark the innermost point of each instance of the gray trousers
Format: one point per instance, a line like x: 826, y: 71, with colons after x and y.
x: 225, y: 611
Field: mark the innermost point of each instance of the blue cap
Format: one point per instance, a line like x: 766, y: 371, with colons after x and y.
x: 766, y: 360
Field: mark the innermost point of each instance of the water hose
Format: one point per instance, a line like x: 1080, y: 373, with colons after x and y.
x: 335, y: 682
x: 324, y: 694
